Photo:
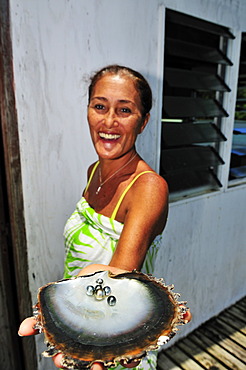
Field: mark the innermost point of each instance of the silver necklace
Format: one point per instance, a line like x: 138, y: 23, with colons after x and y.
x: 119, y: 169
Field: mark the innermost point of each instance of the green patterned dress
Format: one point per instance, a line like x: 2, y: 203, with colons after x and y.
x: 92, y: 238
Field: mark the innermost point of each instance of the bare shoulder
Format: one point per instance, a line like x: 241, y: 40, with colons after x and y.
x: 148, y: 202
x: 150, y: 182
x: 149, y: 190
x: 152, y: 186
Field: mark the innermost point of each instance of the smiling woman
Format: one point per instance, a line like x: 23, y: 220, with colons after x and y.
x: 115, y: 116
x: 124, y: 206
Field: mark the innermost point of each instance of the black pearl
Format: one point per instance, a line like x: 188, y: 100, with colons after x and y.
x: 107, y: 290
x: 111, y: 300
x: 90, y: 290
x: 98, y: 287
x: 99, y: 281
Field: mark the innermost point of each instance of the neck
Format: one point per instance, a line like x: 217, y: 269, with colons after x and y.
x: 108, y: 166
x: 103, y: 181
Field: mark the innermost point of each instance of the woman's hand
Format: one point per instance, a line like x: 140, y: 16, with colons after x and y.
x: 187, y: 316
x: 27, y: 328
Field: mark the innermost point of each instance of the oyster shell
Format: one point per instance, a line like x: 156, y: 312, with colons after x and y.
x: 106, y: 317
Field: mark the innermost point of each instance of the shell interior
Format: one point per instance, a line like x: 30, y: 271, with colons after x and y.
x: 87, y: 327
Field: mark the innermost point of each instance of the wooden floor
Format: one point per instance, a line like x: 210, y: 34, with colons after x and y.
x: 220, y: 343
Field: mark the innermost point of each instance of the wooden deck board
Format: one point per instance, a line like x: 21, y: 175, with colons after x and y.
x: 218, y: 344
x: 229, y: 330
x: 237, y: 312
x: 164, y: 363
x: 181, y: 357
x: 202, y: 357
x: 229, y: 345
x: 235, y: 322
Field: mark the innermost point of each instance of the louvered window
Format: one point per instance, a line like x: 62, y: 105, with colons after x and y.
x: 195, y: 65
x: 238, y: 154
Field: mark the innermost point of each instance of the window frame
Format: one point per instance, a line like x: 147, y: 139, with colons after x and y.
x: 233, y: 53
x: 242, y: 180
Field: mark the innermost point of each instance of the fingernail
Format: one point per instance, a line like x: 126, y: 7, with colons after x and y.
x: 19, y: 331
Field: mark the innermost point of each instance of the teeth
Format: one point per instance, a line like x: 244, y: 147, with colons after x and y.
x: 109, y: 136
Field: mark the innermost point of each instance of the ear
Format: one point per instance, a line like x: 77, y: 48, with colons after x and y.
x: 144, y: 123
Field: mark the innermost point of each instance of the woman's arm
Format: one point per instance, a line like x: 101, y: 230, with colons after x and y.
x: 146, y: 206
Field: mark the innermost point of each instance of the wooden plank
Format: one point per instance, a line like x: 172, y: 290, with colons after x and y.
x: 217, y: 351
x: 8, y: 312
x: 240, y: 308
x: 242, y: 302
x: 201, y: 356
x: 238, y: 312
x: 182, y: 359
x: 9, y: 126
x: 224, y: 341
x: 234, y: 322
x: 229, y: 330
x: 165, y: 363
x: 219, y: 344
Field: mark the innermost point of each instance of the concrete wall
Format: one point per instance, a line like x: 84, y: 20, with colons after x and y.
x: 56, y: 46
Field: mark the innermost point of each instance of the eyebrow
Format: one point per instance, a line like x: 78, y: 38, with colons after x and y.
x: 124, y: 101
x: 99, y: 98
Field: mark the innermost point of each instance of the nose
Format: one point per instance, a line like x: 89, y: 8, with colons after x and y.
x: 110, y: 118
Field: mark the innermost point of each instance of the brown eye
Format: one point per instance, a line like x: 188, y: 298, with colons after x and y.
x: 99, y: 106
x: 126, y: 110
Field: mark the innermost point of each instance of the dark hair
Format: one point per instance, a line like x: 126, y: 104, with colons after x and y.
x: 140, y: 82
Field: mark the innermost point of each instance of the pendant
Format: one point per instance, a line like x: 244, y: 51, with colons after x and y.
x: 98, y: 189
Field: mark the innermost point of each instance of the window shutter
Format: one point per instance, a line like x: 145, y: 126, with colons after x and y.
x: 195, y: 63
x: 238, y: 154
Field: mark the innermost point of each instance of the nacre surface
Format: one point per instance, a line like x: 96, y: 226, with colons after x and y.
x: 134, y: 314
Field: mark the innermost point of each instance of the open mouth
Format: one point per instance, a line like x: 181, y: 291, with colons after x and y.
x: 105, y: 136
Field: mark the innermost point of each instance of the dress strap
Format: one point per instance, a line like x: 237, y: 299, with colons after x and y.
x: 124, y: 193
x: 91, y: 176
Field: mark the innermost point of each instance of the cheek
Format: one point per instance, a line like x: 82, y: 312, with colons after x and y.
x: 91, y: 119
x: 138, y: 127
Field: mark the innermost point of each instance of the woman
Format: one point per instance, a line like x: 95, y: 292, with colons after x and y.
x: 119, y: 103
x: 125, y: 203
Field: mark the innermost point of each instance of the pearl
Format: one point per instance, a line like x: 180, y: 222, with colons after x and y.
x: 99, y: 294
x: 111, y: 300
x: 90, y: 290
x: 99, y: 281
x: 107, y: 290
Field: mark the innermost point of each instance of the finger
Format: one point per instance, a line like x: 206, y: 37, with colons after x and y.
x: 97, y: 366
x: 187, y: 316
x: 57, y: 359
x: 129, y: 365
x: 27, y: 327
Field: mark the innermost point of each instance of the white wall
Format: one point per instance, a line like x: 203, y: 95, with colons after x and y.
x: 56, y: 46
x: 204, y: 252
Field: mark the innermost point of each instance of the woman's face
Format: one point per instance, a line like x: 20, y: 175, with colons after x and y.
x: 114, y: 116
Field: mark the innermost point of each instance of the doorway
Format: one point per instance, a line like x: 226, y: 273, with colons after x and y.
x: 10, y: 353
x: 15, y: 301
